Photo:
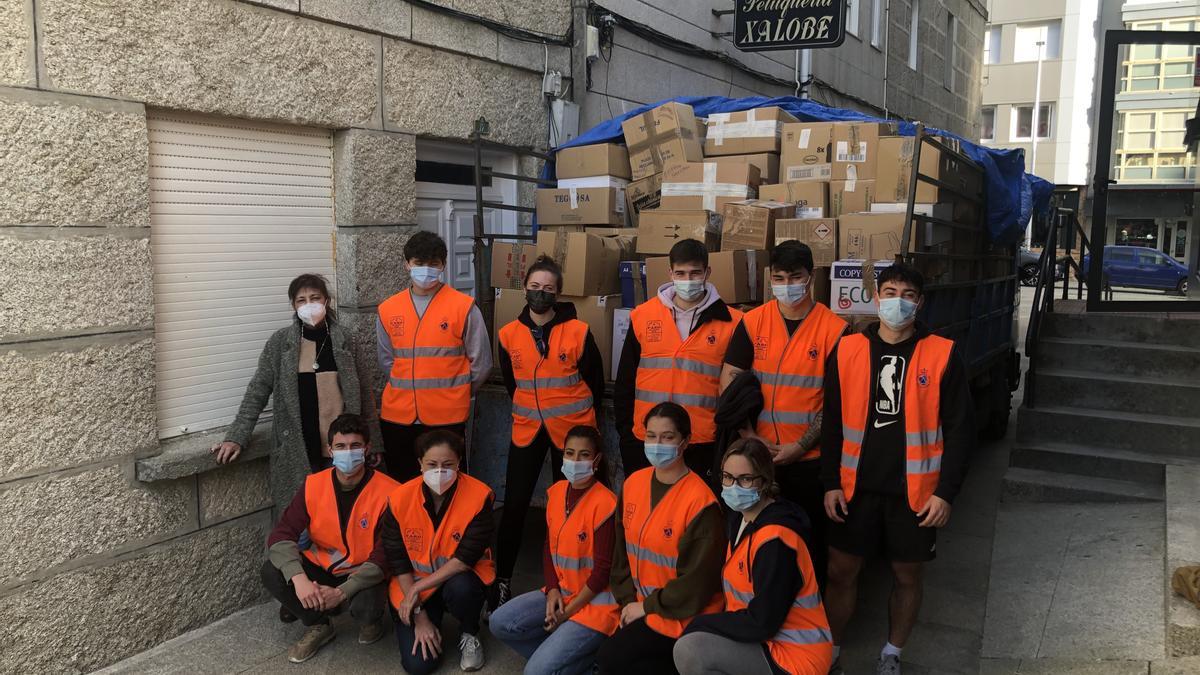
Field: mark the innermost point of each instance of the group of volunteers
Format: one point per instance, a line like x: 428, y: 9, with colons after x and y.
x: 766, y: 455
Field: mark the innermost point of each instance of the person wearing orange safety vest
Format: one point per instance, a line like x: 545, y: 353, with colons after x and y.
x: 554, y: 373
x: 669, y: 550
x: 673, y: 351
x: 437, y: 538
x: 897, y: 432
x: 559, y: 627
x: 322, y: 553
x: 785, y: 342
x: 773, y: 621
x: 433, y: 345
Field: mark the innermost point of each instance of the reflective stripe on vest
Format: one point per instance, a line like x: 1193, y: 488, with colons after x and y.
x: 430, y: 548
x: 550, y: 390
x: 430, y: 381
x: 922, y: 412
x: 652, y: 538
x: 803, y: 643
x: 791, y: 369
x: 328, y: 547
x: 687, y: 372
x: 571, y: 540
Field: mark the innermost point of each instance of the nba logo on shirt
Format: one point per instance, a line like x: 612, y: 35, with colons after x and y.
x: 890, y: 385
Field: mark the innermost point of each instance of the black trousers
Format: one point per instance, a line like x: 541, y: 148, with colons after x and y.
x: 800, y: 484
x: 399, y: 446
x: 366, y: 606
x: 520, y: 480
x: 462, y: 595
x: 635, y: 649
x: 699, y: 457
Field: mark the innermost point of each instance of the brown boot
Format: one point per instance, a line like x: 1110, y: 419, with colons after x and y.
x: 311, y: 642
x: 370, y: 633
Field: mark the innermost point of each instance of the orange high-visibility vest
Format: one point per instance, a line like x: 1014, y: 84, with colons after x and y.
x: 572, y: 546
x: 652, y: 538
x: 803, y: 645
x: 550, y: 390
x: 338, y: 552
x: 922, y: 418
x: 687, y: 372
x: 429, y: 548
x: 791, y: 369
x: 430, y: 380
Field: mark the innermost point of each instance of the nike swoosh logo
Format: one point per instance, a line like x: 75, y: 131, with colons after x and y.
x: 880, y: 426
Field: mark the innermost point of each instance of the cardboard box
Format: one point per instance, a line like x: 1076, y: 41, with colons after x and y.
x: 737, y: 275
x: 750, y: 224
x: 850, y: 196
x: 767, y: 163
x: 593, y: 182
x: 855, y: 146
x: 660, y: 136
x: 642, y: 195
x: 590, y: 263
x: 746, y: 131
x: 620, y: 328
x: 661, y: 229
x: 509, y: 262
x: 508, y: 305
x: 602, y: 159
x: 597, y: 312
x: 633, y: 283
x: 893, y: 170
x: 707, y: 186
x: 818, y: 287
x: 873, y: 236
x: 810, y: 197
x: 581, y: 206
x: 804, y: 152
x: 848, y: 294
x: 821, y: 235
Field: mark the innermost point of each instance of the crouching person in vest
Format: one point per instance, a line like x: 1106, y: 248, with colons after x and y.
x: 899, y: 424
x: 336, y: 512
x: 434, y: 347
x: 673, y: 352
x: 554, y: 373
x: 669, y: 551
x: 773, y: 620
x: 560, y: 627
x: 437, y: 534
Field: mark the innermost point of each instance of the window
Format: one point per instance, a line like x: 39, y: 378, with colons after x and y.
x: 1119, y: 256
x: 877, y: 26
x: 991, y: 46
x: 852, y: 17
x: 1027, y: 38
x: 1150, y: 258
x: 1152, y: 67
x: 914, y: 23
x: 951, y: 51
x: 987, y: 123
x: 1023, y: 121
x: 1150, y: 146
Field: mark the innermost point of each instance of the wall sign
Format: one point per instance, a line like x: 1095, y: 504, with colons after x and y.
x: 767, y: 25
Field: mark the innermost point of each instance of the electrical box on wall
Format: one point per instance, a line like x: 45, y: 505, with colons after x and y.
x: 564, y: 121
x: 593, y: 43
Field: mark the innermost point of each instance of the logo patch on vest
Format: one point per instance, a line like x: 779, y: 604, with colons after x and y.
x: 414, y: 539
x: 363, y: 523
x: 444, y: 325
x: 515, y: 357
x: 760, y: 348
x: 582, y: 535
x: 630, y: 509
x: 712, y: 338
x: 923, y: 378
x: 669, y: 530
x: 457, y: 536
x: 397, y: 325
x: 813, y: 352
x: 654, y: 331
x: 562, y: 357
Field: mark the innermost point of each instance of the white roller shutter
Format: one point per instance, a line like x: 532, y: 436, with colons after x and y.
x: 237, y: 210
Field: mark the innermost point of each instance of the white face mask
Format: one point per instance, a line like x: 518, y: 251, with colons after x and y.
x: 789, y: 294
x: 689, y: 290
x: 439, y: 480
x: 311, y: 313
x: 897, y: 312
x: 425, y: 277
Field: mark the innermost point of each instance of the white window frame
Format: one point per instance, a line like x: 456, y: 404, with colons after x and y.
x: 1160, y: 62
x: 992, y: 46
x: 1155, y: 150
x: 913, y: 29
x: 982, y: 110
x: 1014, y: 122
x: 1050, y: 33
x: 877, y: 26
x: 852, y: 17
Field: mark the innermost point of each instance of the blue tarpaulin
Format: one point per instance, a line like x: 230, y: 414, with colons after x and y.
x: 1012, y: 194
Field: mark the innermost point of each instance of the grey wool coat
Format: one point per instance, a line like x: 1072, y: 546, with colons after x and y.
x: 276, y: 375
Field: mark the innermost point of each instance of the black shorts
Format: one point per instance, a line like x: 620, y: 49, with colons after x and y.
x: 880, y: 525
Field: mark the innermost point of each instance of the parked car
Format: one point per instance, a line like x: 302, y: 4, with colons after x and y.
x: 1140, y: 267
x: 1030, y: 270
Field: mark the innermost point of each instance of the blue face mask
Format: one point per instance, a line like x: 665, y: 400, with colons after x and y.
x: 689, y: 290
x: 661, y: 454
x: 348, y: 461
x: 577, y: 470
x: 897, y: 312
x: 425, y: 277
x: 789, y: 294
x: 739, y: 498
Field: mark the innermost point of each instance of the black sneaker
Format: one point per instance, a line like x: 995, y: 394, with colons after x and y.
x: 498, y: 594
x: 286, y: 616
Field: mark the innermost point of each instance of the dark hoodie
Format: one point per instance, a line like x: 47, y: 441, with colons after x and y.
x: 881, y: 467
x: 591, y: 363
x: 776, y: 578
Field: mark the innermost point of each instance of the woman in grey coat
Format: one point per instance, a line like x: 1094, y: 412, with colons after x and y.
x: 309, y: 368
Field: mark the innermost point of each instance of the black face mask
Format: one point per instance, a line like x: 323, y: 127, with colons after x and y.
x: 540, y: 301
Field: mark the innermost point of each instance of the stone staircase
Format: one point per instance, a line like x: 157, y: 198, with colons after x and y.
x: 1117, y: 401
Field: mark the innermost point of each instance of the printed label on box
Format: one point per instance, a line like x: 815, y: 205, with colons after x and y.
x: 844, y: 154
x: 814, y: 172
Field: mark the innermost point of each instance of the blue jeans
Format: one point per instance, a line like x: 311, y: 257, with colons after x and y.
x: 569, y: 650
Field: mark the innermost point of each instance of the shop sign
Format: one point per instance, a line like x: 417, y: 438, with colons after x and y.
x: 768, y: 25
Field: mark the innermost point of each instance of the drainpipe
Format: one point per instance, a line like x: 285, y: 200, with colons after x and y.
x: 887, y: 39
x: 803, y: 72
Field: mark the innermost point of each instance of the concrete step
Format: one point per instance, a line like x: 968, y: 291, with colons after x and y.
x: 1033, y: 485
x: 1113, y: 356
x: 1082, y: 460
x: 1104, y: 390
x: 1183, y: 548
x: 1143, y: 432
x: 1164, y: 329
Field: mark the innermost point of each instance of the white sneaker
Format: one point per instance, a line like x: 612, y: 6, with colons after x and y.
x: 472, y: 653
